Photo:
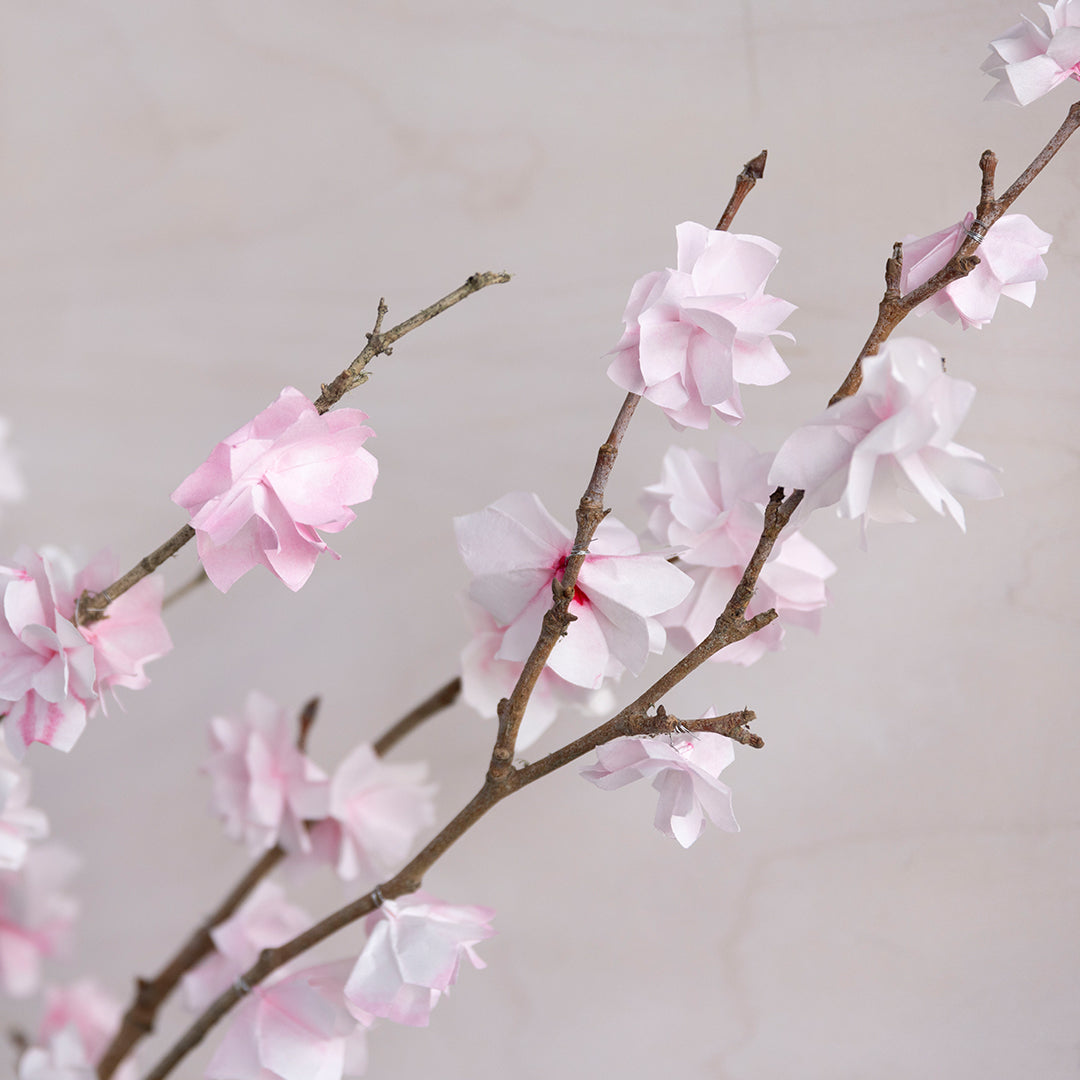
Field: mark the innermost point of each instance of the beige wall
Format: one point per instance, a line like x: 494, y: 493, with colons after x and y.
x: 202, y: 202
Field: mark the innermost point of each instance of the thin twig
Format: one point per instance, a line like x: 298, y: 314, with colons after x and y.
x: 91, y: 607
x: 752, y: 172
x: 894, y: 308
x: 443, y: 698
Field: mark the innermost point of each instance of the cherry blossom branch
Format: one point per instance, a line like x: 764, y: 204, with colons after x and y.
x: 150, y: 994
x: 894, y: 308
x: 557, y: 618
x: 91, y: 607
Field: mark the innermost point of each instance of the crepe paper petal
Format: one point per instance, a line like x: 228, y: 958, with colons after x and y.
x: 694, y: 333
x: 1010, y: 264
x: 412, y: 955
x: 265, y: 920
x: 64, y: 1058
x: 92, y: 1014
x: 891, y: 439
x: 20, y: 823
x: 486, y: 680
x: 515, y: 549
x: 376, y: 811
x: 261, y: 496
x: 712, y: 511
x: 1031, y: 58
x: 53, y: 675
x: 296, y: 1028
x: 263, y: 786
x: 684, y: 769
x: 35, y: 916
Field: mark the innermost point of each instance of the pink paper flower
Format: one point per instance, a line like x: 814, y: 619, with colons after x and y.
x: 92, y: 1014
x: 1031, y: 58
x: 260, y: 496
x: 376, y: 812
x: 713, y: 511
x: 35, y: 916
x: 52, y: 673
x: 264, y: 787
x: 486, y: 680
x: 265, y: 920
x: 694, y: 333
x: 298, y: 1028
x: 12, y: 488
x: 1010, y: 265
x: 20, y: 823
x: 63, y: 1059
x: 891, y: 438
x: 412, y: 955
x: 515, y: 548
x: 683, y: 768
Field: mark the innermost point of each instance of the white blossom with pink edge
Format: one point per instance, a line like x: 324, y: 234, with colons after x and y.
x: 412, y: 956
x: 64, y: 1058
x: 890, y: 439
x: 260, y: 496
x: 684, y: 769
x: 12, y: 488
x: 712, y: 511
x: 375, y: 813
x: 1010, y: 264
x: 263, y: 786
x: 1030, y: 59
x: 693, y: 334
x: 265, y: 920
x: 53, y: 674
x: 515, y: 548
x: 20, y: 823
x: 92, y: 1013
x: 486, y: 680
x: 35, y: 916
x: 46, y: 666
x: 296, y: 1028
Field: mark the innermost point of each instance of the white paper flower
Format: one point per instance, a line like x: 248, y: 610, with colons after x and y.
x: 1030, y: 59
x: 684, y: 769
x: 890, y: 439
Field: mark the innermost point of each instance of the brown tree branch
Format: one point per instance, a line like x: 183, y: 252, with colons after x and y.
x: 91, y: 607
x: 894, y: 308
x: 752, y: 172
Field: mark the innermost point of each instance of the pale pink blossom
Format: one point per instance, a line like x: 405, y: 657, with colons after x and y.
x: 12, y: 488
x: 486, y: 680
x: 1030, y: 59
x: 35, y: 916
x: 694, y: 333
x: 260, y: 496
x: 297, y: 1028
x: 92, y: 1013
x: 891, y: 439
x: 263, y: 786
x: 1010, y: 264
x: 376, y: 812
x: 264, y: 920
x: 712, y: 510
x: 515, y: 549
x: 684, y: 769
x: 52, y: 673
x: 64, y: 1058
x: 20, y: 823
x: 412, y: 956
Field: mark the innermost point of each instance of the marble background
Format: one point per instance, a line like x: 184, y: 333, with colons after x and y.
x: 202, y: 202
